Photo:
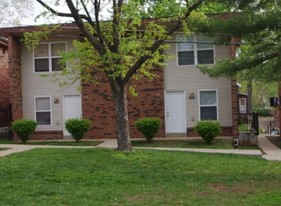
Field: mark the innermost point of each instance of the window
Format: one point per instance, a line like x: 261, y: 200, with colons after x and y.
x: 47, y: 57
x: 208, y: 105
x: 195, y: 50
x: 43, y: 110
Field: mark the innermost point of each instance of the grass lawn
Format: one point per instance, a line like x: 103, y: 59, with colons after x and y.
x: 107, y: 177
x: 197, y: 143
x: 2, y: 149
x: 57, y: 143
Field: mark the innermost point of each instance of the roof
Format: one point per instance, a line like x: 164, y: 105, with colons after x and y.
x: 18, y: 31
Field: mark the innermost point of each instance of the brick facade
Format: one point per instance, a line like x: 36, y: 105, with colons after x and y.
x: 15, y: 76
x: 234, y: 92
x: 99, y: 107
x: 4, y: 75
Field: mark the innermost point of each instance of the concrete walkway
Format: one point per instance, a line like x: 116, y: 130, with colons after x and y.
x: 271, y: 151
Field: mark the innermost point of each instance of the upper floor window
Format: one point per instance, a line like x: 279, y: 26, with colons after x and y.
x: 208, y: 105
x: 195, y: 50
x: 47, y: 57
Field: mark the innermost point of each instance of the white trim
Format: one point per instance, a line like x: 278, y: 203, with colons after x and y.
x: 35, y: 111
x: 49, y: 57
x: 165, y: 107
x: 195, y: 49
x: 199, y: 103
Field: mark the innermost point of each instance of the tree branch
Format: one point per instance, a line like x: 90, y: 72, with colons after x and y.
x: 78, y: 20
x: 158, y: 43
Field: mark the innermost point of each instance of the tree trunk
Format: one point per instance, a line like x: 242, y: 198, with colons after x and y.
x: 122, y: 119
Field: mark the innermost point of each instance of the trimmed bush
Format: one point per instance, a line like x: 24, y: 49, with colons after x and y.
x: 208, y: 130
x: 23, y: 128
x: 148, y: 127
x: 77, y: 127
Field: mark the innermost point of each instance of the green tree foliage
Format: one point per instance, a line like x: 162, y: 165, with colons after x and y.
x: 256, y: 27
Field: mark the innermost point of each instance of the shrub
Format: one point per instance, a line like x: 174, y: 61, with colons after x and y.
x: 23, y: 128
x: 208, y: 130
x: 148, y: 127
x: 77, y: 127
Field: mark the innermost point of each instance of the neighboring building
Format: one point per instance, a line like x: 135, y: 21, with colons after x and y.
x: 180, y: 96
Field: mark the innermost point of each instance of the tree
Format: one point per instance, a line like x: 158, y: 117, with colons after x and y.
x: 13, y: 11
x: 257, y: 31
x: 256, y: 27
x: 118, y: 49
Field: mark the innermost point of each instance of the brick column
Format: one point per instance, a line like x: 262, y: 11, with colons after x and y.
x: 14, y: 49
x: 4, y: 78
x: 234, y: 91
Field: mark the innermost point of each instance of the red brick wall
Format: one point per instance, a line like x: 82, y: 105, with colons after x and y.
x: 98, y: 106
x: 43, y: 135
x: 4, y: 78
x: 226, y: 131
x: 15, y: 78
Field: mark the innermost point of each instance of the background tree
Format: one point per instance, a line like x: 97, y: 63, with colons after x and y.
x: 13, y: 12
x: 256, y: 26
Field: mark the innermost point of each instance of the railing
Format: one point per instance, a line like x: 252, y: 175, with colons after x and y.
x: 5, y: 122
x: 249, y: 122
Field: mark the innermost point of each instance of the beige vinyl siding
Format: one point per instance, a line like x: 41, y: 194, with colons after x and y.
x: 191, y: 79
x: 34, y: 85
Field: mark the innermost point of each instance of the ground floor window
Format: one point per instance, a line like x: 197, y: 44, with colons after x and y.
x: 43, y: 110
x: 208, y: 105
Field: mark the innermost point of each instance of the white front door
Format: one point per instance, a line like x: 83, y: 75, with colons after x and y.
x: 72, y: 108
x: 175, y: 112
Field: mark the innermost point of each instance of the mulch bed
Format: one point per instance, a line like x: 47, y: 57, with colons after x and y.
x: 276, y: 140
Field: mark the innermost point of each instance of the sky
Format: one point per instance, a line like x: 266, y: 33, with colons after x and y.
x: 37, y: 10
x: 26, y: 12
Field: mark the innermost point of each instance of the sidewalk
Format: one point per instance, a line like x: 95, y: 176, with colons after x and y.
x: 271, y: 151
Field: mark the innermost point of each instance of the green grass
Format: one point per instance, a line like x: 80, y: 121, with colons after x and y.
x: 57, y: 143
x: 106, y: 177
x: 197, y: 143
x: 1, y: 149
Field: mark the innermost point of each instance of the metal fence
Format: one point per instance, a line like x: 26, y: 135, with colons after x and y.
x: 5, y: 122
x: 249, y: 122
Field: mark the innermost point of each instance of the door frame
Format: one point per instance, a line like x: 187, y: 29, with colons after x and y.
x: 184, y: 110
